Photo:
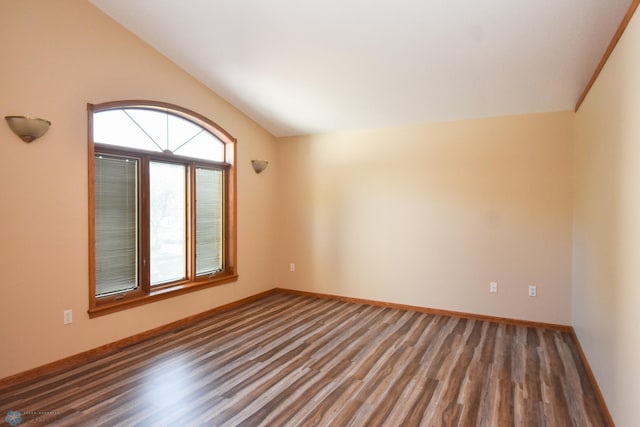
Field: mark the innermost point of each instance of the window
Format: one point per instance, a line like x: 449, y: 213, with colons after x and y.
x: 161, y: 204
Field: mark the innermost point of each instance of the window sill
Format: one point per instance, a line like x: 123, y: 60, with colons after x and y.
x: 158, y: 295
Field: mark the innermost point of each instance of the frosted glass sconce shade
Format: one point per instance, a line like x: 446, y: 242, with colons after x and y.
x: 259, y: 165
x: 28, y: 128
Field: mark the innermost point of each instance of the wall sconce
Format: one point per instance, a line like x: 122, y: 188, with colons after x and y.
x: 259, y: 165
x: 28, y: 128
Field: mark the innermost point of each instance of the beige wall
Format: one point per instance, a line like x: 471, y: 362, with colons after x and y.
x: 429, y: 215
x: 606, y: 262
x: 56, y: 57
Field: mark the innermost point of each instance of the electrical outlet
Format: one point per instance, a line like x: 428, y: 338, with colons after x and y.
x: 493, y: 287
x: 533, y: 291
x: 292, y: 267
x: 67, y: 317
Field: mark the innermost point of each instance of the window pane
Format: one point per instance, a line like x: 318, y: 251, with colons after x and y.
x: 181, y: 132
x: 154, y: 124
x: 115, y: 127
x: 167, y: 221
x: 209, y: 206
x: 204, y: 146
x: 116, y: 221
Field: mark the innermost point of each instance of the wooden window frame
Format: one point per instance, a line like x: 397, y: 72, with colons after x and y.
x: 145, y: 293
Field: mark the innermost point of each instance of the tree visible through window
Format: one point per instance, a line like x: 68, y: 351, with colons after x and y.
x: 162, y: 213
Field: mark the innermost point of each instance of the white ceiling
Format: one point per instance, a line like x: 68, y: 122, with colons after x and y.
x: 315, y: 66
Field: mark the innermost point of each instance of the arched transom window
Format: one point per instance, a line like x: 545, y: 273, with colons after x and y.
x: 157, y: 131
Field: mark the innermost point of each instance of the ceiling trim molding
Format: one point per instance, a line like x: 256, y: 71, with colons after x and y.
x: 614, y: 41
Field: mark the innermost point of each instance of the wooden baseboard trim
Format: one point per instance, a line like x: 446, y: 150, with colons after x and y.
x: 103, y: 350
x: 593, y: 381
x: 428, y: 310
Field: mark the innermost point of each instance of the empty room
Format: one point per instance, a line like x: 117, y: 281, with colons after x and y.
x: 409, y: 213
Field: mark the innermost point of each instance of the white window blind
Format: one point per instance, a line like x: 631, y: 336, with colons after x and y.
x: 116, y: 223
x: 209, y: 214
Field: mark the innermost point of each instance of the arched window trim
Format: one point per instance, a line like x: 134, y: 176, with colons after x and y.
x: 145, y: 295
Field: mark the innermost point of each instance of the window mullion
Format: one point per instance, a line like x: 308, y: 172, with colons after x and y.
x: 191, y: 221
x: 144, y: 227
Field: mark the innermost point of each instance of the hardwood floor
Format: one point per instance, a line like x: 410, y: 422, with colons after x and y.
x: 295, y: 360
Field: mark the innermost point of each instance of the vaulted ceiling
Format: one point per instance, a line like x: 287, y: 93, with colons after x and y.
x: 315, y: 66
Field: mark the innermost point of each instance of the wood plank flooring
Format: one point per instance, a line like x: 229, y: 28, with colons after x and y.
x: 301, y: 361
